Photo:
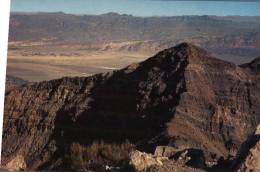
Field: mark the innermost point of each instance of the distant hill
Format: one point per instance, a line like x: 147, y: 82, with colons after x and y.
x: 15, y: 80
x: 12, y: 82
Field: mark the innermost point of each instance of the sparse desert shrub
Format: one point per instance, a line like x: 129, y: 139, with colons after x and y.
x: 98, y: 155
x: 75, y: 158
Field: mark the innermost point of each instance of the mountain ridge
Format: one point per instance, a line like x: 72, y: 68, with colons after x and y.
x: 181, y: 97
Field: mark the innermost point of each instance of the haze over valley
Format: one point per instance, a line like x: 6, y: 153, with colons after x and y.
x: 44, y: 46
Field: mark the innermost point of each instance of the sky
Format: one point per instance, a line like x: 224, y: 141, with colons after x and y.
x: 140, y: 7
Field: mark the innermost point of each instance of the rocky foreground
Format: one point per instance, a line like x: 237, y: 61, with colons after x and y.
x: 181, y: 110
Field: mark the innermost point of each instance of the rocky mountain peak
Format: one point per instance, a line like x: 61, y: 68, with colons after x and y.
x: 192, y: 54
x: 187, y: 46
x: 184, y: 49
x: 181, y: 97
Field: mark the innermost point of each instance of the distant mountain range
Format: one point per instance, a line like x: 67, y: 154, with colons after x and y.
x: 201, y: 108
x: 230, y: 37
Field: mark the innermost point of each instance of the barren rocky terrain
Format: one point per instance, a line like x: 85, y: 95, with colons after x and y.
x: 201, y: 109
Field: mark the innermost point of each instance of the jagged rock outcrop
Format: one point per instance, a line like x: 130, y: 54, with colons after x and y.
x: 182, y: 97
x: 16, y: 164
x: 248, y: 159
x: 165, y: 151
x: 252, y: 162
x: 218, y: 104
x: 143, y: 162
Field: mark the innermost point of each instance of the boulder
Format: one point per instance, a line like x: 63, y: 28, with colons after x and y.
x: 166, y: 151
x: 252, y: 160
x: 143, y: 161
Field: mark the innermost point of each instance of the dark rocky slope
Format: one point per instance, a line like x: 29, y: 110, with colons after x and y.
x: 181, y: 97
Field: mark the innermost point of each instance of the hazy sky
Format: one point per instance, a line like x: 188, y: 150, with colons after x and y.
x: 140, y: 7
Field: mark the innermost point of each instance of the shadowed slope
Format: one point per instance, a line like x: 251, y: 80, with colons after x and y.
x: 180, y: 97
